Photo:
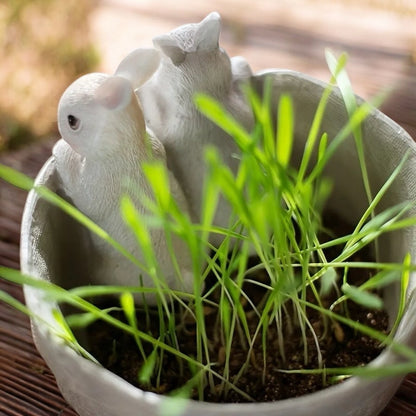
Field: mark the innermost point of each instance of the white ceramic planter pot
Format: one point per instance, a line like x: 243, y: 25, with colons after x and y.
x: 54, y: 248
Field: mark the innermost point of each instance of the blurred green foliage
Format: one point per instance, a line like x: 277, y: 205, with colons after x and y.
x: 45, y: 45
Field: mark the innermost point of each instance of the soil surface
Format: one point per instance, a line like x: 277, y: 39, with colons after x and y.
x: 263, y: 381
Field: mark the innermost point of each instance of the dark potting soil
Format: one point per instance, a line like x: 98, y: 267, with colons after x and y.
x: 263, y: 381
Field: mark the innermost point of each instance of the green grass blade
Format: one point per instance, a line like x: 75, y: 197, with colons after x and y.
x: 362, y: 297
x: 148, y: 368
x: 328, y: 281
x: 381, y: 279
x: 134, y: 219
x: 316, y: 123
x: 216, y: 112
x: 16, y: 178
x: 380, y: 194
x: 368, y: 372
x: 285, y: 130
x: 60, y: 328
x: 157, y: 176
x: 357, y: 118
x: 14, y: 303
x: 83, y: 320
x: 66, y: 332
x: 128, y: 307
x: 407, y: 262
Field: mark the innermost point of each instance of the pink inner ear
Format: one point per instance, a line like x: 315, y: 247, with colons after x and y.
x: 114, y: 93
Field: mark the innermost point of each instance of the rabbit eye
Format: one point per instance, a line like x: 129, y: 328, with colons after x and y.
x: 73, y: 122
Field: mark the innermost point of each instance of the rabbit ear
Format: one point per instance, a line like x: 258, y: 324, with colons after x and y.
x: 240, y: 68
x: 170, y: 47
x: 139, y: 66
x: 114, y: 93
x: 208, y: 33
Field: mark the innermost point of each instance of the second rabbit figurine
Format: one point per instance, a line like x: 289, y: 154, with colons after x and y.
x: 192, y: 62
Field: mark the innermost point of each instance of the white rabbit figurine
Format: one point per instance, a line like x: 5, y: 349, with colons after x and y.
x: 192, y: 62
x: 99, y: 158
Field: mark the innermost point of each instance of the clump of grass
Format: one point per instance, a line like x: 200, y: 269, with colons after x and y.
x: 277, y: 220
